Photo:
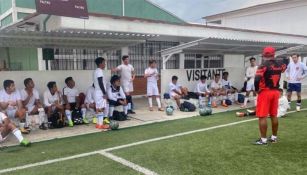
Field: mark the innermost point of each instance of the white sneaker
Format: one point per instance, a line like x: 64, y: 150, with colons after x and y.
x: 298, y: 109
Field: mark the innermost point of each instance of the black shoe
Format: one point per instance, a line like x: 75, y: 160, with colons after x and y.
x: 260, y: 142
x: 131, y: 112
x: 272, y: 140
x: 43, y: 127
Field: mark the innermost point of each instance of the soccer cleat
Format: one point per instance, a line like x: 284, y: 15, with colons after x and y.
x: 260, y: 142
x: 24, y: 131
x: 85, y: 121
x: 95, y: 120
x: 298, y: 109
x: 106, y: 121
x: 272, y: 140
x: 102, y: 126
x: 240, y: 114
x: 70, y: 124
x: 131, y: 112
x: 25, y: 143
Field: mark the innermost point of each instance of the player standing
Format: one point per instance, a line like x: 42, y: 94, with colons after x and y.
x: 250, y: 78
x: 127, y: 75
x: 266, y: 85
x: 100, y: 92
x: 295, y: 73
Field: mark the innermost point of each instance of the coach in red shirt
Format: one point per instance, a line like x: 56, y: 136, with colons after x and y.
x: 267, y: 85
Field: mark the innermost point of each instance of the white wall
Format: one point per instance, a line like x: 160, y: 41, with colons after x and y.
x: 83, y: 79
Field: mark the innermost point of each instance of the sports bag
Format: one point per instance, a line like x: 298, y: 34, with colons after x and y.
x: 119, y: 116
x: 187, y: 107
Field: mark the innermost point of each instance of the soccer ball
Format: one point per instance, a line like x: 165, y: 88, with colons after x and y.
x: 169, y: 110
x: 203, y: 112
x: 114, y: 125
x: 209, y: 111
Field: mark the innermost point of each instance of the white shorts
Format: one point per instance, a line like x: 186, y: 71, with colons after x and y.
x: 30, y: 109
x: 250, y: 86
x: 127, y: 86
x: 152, y: 90
x: 11, y: 113
x: 173, y: 94
x: 99, y: 100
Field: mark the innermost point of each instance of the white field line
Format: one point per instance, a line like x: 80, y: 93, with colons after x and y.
x: 129, y: 164
x: 125, y: 146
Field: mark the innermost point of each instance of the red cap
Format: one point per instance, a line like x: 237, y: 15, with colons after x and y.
x: 268, y: 52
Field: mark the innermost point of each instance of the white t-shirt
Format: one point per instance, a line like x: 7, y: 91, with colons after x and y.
x: 98, y: 73
x: 115, y: 94
x: 202, y: 87
x: 90, y: 93
x: 226, y: 84
x: 12, y: 98
x: 283, y: 106
x: 50, y: 99
x: 173, y: 87
x: 153, y: 78
x: 295, y: 71
x: 251, y: 73
x: 125, y: 72
x: 24, y: 96
x: 216, y: 85
x: 2, y: 117
x: 71, y: 94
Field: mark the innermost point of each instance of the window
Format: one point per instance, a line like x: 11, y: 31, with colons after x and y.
x: 197, y: 61
x: 213, y: 61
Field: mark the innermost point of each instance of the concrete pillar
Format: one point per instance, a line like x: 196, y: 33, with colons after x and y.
x: 14, y: 11
x: 40, y: 61
x: 181, y: 60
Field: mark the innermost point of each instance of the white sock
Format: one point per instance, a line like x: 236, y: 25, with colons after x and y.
x: 111, y: 110
x: 150, y: 102
x: 273, y: 137
x: 68, y: 115
x: 100, y: 118
x: 129, y: 106
x: 158, y: 102
x: 245, y: 101
x: 125, y: 109
x: 18, y: 135
x: 42, y: 117
x: 264, y: 140
x: 28, y: 119
x: 107, y: 110
x: 83, y: 111
x: 201, y: 100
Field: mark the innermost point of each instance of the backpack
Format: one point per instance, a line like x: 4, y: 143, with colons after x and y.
x: 76, y: 117
x: 187, y: 107
x: 55, y: 121
x: 119, y: 116
x: 228, y: 102
x: 241, y: 98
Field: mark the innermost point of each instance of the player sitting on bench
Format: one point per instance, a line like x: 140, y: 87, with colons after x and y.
x: 227, y: 85
x: 202, y: 90
x: 176, y: 91
x: 217, y: 90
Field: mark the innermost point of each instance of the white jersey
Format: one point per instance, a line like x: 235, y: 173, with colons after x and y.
x: 50, y: 99
x: 2, y: 117
x: 90, y: 93
x: 201, y: 88
x: 283, y: 106
x: 251, y: 73
x: 216, y: 85
x: 12, y: 98
x: 153, y: 75
x: 125, y: 72
x: 226, y: 84
x: 115, y: 94
x: 24, y: 96
x: 295, y: 71
x: 97, y: 74
x: 173, y: 87
x: 71, y: 94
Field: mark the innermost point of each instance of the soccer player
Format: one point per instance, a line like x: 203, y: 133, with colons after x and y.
x: 152, y: 75
x: 295, y: 73
x: 127, y: 75
x: 116, y: 96
x: 266, y: 85
x: 11, y: 104
x: 100, y: 93
x: 218, y: 90
x: 250, y: 79
x: 7, y: 127
x: 53, y: 100
x: 72, y: 101
x: 176, y: 91
x: 202, y: 90
x: 31, y: 101
x: 227, y: 85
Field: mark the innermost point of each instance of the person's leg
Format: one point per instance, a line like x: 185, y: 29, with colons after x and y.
x: 177, y: 99
x: 246, y: 99
x: 68, y: 115
x: 83, y: 112
x: 274, y: 121
x: 111, y: 108
x: 289, y: 93
x: 150, y: 103
x: 263, y: 126
x: 299, y: 101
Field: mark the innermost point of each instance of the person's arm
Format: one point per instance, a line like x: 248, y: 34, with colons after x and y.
x: 110, y: 95
x: 146, y: 74
x: 4, y: 105
x: 288, y: 72
x: 133, y: 76
x: 101, y: 85
x: 46, y: 101
x: 19, y: 101
x: 116, y: 69
x: 25, y: 100
x: 259, y: 75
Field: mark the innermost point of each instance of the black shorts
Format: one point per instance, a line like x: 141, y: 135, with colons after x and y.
x: 115, y: 103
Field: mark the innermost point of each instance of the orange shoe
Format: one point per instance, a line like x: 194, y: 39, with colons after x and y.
x: 104, y: 127
x: 97, y: 126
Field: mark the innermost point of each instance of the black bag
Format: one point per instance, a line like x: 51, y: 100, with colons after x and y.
x: 187, y: 107
x: 76, y: 117
x: 55, y: 121
x: 119, y: 116
x: 192, y: 95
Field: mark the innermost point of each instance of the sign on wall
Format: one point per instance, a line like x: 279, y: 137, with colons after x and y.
x: 68, y: 8
x: 195, y: 74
